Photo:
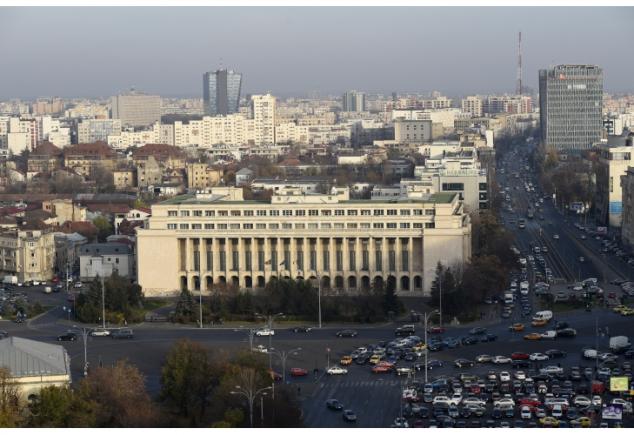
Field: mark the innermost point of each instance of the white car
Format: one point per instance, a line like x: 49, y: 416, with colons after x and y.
x: 504, y: 402
x: 78, y: 284
x: 556, y: 236
x: 520, y: 375
x: 505, y: 376
x: 456, y: 399
x: 36, y: 283
x: 473, y: 401
x: 597, y: 401
x: 551, y: 370
x: 440, y: 400
x: 261, y: 349
x: 538, y: 357
x: 525, y: 413
x: 501, y: 359
x: 264, y: 332
x: 582, y: 401
x: 336, y: 370
x: 99, y: 332
x: 551, y: 335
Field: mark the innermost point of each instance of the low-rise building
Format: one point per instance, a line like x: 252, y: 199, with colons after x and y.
x: 65, y: 210
x: 198, y: 241
x: 201, y: 176
x: 124, y: 179
x: 244, y: 176
x: 34, y: 365
x: 103, y: 259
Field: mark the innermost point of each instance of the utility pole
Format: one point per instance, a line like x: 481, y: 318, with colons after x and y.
x: 103, y: 301
x: 319, y: 298
x: 440, y: 300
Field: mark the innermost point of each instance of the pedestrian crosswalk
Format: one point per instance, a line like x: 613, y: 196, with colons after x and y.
x: 364, y: 383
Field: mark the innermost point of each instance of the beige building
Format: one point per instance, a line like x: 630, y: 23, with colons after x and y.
x: 627, y: 223
x: 136, y: 109
x: 65, y: 210
x: 34, y: 365
x: 124, y: 179
x: 472, y: 105
x: 613, y: 163
x: 29, y: 255
x: 218, y: 238
x: 201, y: 176
x: 264, y: 119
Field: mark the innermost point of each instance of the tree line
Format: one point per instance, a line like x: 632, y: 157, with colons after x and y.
x: 197, y: 390
x: 298, y: 299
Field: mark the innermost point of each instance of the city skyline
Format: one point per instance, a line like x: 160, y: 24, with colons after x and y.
x: 305, y: 50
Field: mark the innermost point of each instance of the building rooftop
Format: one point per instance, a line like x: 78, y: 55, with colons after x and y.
x: 24, y: 357
x: 192, y: 199
x: 105, y: 249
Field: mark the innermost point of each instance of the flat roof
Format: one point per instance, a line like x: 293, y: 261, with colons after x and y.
x: 190, y: 199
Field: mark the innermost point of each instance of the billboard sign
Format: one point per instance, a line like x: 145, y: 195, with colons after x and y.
x: 612, y: 412
x: 619, y: 383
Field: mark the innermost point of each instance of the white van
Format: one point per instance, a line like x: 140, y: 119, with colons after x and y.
x: 543, y: 315
x: 47, y: 290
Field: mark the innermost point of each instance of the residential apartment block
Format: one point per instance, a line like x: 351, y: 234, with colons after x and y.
x: 29, y: 255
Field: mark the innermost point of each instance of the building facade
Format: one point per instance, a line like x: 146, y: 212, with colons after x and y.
x: 570, y: 102
x: 93, y: 130
x: 221, y: 92
x: 103, y: 259
x: 264, y: 119
x: 135, y: 109
x: 613, y: 164
x: 29, y: 255
x: 218, y: 239
x: 627, y: 222
x: 472, y: 105
x: 353, y: 101
x: 417, y: 131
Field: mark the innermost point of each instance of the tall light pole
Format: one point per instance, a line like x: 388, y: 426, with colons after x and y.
x: 283, y: 356
x: 426, y: 316
x: 250, y: 395
x: 440, y: 299
x: 319, y: 298
x: 84, y: 333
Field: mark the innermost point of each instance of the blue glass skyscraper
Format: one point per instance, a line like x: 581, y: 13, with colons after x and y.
x: 221, y: 92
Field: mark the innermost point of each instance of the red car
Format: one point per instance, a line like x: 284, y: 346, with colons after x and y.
x: 530, y: 402
x: 519, y: 355
x: 436, y: 330
x: 296, y: 371
x: 381, y: 368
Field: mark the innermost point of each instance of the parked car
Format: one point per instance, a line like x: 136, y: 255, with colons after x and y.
x: 100, y: 332
x: 264, y: 332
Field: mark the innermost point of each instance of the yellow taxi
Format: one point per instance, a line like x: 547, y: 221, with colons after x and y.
x: 619, y: 309
x: 345, y: 360
x: 539, y: 322
x: 516, y: 327
x: 584, y: 421
x: 627, y: 311
x: 375, y: 359
x: 549, y: 422
x: 533, y: 336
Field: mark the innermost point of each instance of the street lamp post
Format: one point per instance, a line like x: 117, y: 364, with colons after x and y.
x: 283, y: 356
x: 426, y: 316
x: 85, y: 332
x: 319, y: 298
x: 250, y: 395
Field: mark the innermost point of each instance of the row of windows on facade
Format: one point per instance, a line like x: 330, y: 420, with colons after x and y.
x: 261, y: 213
x: 454, y: 187
x: 299, y: 261
x: 310, y: 226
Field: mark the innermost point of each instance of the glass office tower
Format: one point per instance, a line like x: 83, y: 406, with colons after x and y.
x: 221, y: 92
x: 570, y: 103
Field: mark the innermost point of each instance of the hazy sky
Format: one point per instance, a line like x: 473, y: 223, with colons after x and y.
x: 70, y: 51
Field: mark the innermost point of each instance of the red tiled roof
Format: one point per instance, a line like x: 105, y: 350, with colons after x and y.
x: 108, y: 208
x: 46, y: 148
x: 158, y: 150
x: 99, y: 149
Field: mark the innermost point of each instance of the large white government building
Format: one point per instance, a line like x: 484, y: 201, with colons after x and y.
x: 218, y: 238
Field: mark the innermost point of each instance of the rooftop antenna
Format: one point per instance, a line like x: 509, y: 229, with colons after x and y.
x: 518, y: 91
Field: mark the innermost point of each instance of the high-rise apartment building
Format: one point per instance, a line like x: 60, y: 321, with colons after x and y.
x: 221, y: 92
x: 570, y: 101
x: 472, y: 105
x: 353, y: 101
x: 136, y: 109
x: 94, y: 130
x: 264, y: 118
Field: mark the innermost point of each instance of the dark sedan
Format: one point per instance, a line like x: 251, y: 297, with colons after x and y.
x: 68, y: 336
x: 347, y: 333
x: 462, y: 362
